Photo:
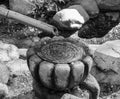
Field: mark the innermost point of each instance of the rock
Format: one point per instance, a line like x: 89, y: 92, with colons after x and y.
x: 3, y: 90
x: 22, y: 52
x: 17, y: 66
x: 75, y: 35
x: 69, y: 96
x: 107, y: 59
x: 109, y: 4
x: 25, y: 43
x: 90, y: 6
x: 22, y: 6
x: 4, y: 73
x: 107, y: 56
x: 92, y: 48
x: 8, y: 52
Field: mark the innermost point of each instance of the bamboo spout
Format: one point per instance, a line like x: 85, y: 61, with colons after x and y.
x: 29, y: 21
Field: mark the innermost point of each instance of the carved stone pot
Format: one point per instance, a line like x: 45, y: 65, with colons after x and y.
x: 59, y: 65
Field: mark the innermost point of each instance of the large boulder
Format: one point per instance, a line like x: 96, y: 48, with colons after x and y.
x: 107, y: 59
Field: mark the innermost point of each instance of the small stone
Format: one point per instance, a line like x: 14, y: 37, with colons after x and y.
x: 35, y: 39
x: 70, y: 96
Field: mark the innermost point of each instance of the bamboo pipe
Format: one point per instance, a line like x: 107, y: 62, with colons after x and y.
x: 29, y: 21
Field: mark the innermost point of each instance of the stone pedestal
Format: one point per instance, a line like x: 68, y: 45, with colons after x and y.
x: 44, y: 93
